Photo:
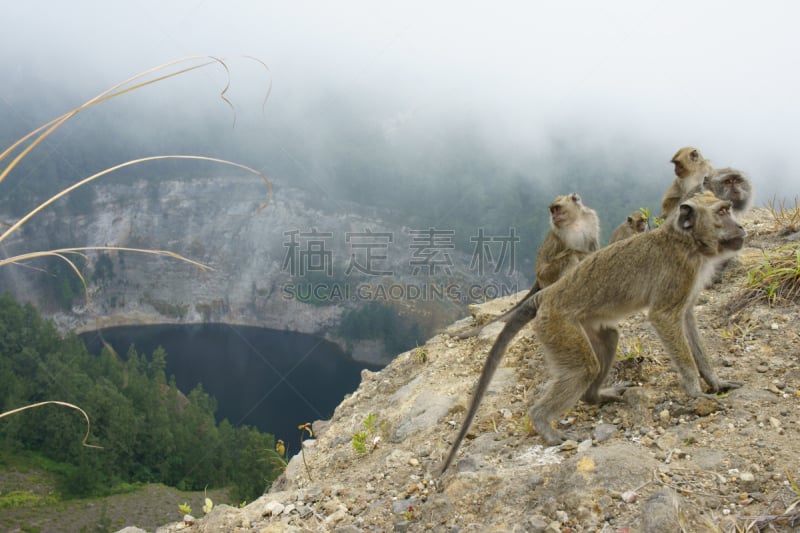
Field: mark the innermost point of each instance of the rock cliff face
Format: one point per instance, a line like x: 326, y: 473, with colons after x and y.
x: 257, y: 260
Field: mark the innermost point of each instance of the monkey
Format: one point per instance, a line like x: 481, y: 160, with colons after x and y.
x: 732, y: 185
x: 691, y: 170
x: 635, y: 223
x: 575, y: 318
x: 574, y: 233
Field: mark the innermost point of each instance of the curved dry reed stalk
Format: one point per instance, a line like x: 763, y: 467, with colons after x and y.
x: 44, y: 131
x: 119, y: 89
x: 78, y: 250
x: 14, y: 227
x: 64, y: 404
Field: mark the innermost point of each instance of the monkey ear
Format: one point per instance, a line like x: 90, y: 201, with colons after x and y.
x: 694, y: 155
x: 687, y: 216
x: 576, y: 197
x: 630, y: 220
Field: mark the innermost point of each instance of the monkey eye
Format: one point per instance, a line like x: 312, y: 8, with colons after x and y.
x: 723, y: 211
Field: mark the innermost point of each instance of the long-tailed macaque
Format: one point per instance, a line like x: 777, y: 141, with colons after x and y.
x: 576, y: 316
x: 574, y: 234
x: 690, y: 171
x: 635, y: 223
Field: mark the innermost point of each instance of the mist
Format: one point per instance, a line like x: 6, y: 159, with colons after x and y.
x: 619, y: 86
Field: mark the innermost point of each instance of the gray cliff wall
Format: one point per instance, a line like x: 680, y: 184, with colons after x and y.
x: 217, y: 222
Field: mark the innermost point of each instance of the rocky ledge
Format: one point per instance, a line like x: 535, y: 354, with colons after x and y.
x: 658, y: 461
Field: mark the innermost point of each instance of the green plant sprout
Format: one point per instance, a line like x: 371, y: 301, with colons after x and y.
x: 361, y: 438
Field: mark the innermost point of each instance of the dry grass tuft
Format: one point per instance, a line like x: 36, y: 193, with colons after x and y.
x: 787, y: 220
x: 775, y: 281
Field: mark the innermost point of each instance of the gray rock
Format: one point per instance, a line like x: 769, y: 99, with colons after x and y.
x: 604, y: 432
x: 401, y: 526
x: 347, y: 529
x: 661, y: 512
x: 400, y: 507
x: 467, y: 464
x: 537, y: 525
x: 304, y: 511
x: 273, y: 508
x: 429, y: 407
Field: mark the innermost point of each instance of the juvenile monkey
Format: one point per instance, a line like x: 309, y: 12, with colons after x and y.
x: 576, y: 316
x: 635, y: 223
x: 732, y: 185
x: 690, y: 171
x: 574, y: 234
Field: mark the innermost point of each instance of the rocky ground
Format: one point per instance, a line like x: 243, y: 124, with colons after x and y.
x: 659, y: 461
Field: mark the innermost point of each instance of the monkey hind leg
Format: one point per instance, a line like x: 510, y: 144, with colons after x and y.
x: 604, y: 341
x: 574, y: 367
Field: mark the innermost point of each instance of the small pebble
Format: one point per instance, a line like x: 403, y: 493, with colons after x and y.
x: 747, y: 476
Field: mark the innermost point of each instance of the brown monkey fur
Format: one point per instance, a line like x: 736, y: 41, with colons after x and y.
x: 690, y: 171
x: 574, y: 234
x: 660, y: 270
x: 635, y: 223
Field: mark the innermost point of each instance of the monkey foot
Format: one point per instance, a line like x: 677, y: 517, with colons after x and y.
x: 724, y: 386
x: 545, y: 429
x: 605, y: 395
x: 698, y: 394
x: 551, y: 436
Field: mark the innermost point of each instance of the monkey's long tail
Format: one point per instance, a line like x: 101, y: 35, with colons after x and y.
x: 471, y: 332
x: 525, y: 312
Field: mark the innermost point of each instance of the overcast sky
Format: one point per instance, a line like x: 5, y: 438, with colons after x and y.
x: 721, y: 75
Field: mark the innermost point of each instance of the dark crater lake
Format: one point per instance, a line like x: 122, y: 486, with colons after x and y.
x: 273, y: 380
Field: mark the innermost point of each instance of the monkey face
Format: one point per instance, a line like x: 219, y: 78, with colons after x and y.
x: 711, y: 224
x: 680, y: 170
x: 558, y: 215
x: 732, y: 185
x: 637, y: 222
x: 732, y: 189
x: 686, y: 160
x: 564, y: 210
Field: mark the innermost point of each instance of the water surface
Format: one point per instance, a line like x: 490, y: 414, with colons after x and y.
x: 273, y: 380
